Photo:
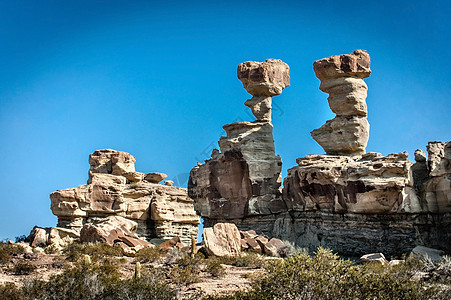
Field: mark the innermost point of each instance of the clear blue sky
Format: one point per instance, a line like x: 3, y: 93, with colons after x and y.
x: 158, y: 80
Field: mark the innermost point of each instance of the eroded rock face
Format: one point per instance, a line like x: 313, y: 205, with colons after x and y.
x: 161, y: 211
x: 370, y: 184
x: 223, y: 239
x: 243, y: 178
x: 437, y: 187
x: 342, y: 78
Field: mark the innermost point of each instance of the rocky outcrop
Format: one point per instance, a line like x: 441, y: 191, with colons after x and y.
x: 342, y: 78
x: 115, y: 189
x: 243, y: 178
x: 347, y: 200
x: 367, y: 184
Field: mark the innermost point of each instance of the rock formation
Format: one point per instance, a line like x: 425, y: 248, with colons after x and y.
x: 342, y: 78
x: 347, y: 200
x: 115, y: 189
x: 243, y: 179
x: 263, y: 80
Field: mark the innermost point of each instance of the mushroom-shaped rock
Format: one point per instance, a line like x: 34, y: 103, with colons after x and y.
x: 263, y: 80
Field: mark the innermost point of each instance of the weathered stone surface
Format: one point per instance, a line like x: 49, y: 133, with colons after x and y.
x: 253, y: 245
x: 263, y: 80
x: 170, y: 243
x: 370, y: 184
x: 342, y: 78
x: 108, y: 161
x: 374, y: 258
x: 223, y: 239
x: 425, y: 252
x: 155, y: 177
x: 356, y: 64
x: 242, y: 180
x: 39, y: 237
x: 159, y: 210
x: 169, y: 182
x: 266, y: 78
x: 437, y: 187
x: 343, y: 135
x: 273, y: 247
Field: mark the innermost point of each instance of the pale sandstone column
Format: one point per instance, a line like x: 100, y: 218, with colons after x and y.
x: 342, y: 78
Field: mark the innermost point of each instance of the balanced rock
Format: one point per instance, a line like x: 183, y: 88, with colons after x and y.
x: 155, y: 177
x: 342, y: 78
x: 223, y: 239
x: 263, y: 80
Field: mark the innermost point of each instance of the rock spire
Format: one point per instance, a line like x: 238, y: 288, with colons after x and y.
x: 342, y: 78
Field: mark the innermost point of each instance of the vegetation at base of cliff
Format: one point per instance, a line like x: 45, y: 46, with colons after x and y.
x: 89, y: 282
x: 325, y: 276
x: 321, y: 276
x: 7, y: 251
x: 98, y: 251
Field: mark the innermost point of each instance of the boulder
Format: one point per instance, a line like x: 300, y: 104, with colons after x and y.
x: 170, y: 243
x: 274, y: 247
x: 108, y: 161
x: 425, y: 252
x: 39, y: 237
x: 155, y: 177
x: 223, y: 239
x: 266, y: 78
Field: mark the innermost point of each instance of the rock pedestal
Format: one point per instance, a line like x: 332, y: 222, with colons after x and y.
x: 243, y: 178
x: 342, y: 78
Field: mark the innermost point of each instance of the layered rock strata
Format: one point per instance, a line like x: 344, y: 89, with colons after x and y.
x: 350, y: 201
x: 115, y: 189
x: 243, y: 178
x: 342, y: 78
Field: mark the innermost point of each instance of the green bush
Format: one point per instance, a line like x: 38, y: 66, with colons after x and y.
x: 22, y: 268
x: 325, y: 276
x: 7, y: 250
x: 9, y: 291
x: 186, y: 270
x: 89, y: 282
x: 214, y: 267
x: 148, y: 255
x: 98, y: 251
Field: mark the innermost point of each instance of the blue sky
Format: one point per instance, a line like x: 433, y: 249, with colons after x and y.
x: 158, y: 80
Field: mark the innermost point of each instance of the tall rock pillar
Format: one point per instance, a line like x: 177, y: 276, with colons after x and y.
x: 342, y: 78
x: 243, y: 178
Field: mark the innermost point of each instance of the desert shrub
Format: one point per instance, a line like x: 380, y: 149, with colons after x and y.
x: 22, y: 268
x: 325, y: 276
x: 148, y: 254
x: 4, y: 257
x: 250, y: 260
x: 214, y: 267
x: 98, y: 251
x: 173, y: 255
x: 151, y: 285
x: 9, y: 291
x: 186, y: 270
